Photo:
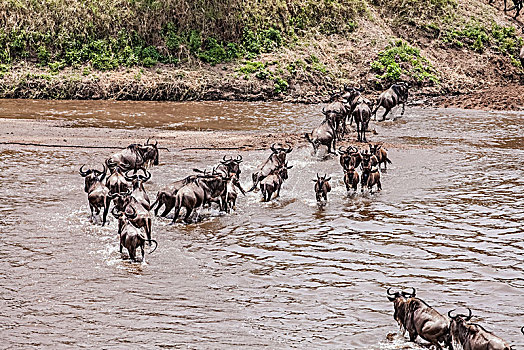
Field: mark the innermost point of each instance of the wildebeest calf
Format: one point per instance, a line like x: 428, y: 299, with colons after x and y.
x: 351, y: 178
x: 322, y: 187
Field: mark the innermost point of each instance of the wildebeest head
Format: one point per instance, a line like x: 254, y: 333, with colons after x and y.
x: 232, y: 165
x: 400, y: 305
x: 119, y: 214
x: 150, y: 152
x: 92, y: 176
x: 280, y: 152
x: 350, y: 93
x: 322, y: 186
x: 137, y: 180
x: 459, y: 326
x: 121, y: 200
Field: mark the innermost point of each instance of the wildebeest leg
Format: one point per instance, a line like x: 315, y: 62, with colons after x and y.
x: 412, y: 336
x: 385, y: 114
x: 505, y: 7
x: 106, y: 209
x: 363, y: 130
x: 143, y: 252
x: 188, y: 214
x: 177, y: 212
x: 92, y: 213
x: 379, y: 185
x: 132, y: 253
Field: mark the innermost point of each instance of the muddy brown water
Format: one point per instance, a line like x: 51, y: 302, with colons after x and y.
x: 277, y: 275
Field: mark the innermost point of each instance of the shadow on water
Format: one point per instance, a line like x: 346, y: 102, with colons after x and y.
x: 269, y: 275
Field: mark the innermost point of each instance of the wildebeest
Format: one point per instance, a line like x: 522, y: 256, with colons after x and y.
x: 419, y: 319
x: 337, y: 112
x: 370, y: 175
x: 166, y: 196
x: 139, y: 191
x: 381, y: 155
x: 517, y: 5
x: 130, y: 237
x: 472, y: 336
x: 350, y: 157
x: 117, y: 182
x: 126, y: 202
x: 231, y: 167
x: 352, y: 97
x: 362, y: 115
x: 134, y: 157
x: 273, y: 182
x: 202, y: 190
x: 395, y: 95
x: 351, y: 178
x: 232, y: 194
x: 324, y: 134
x: 97, y: 192
x: 322, y: 187
x: 276, y: 159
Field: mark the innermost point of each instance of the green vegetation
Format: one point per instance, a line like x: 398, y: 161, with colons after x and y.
x: 261, y: 71
x: 478, y: 37
x: 398, y: 59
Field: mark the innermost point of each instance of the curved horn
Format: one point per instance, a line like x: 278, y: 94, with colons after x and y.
x: 389, y: 292
x: 318, y: 177
x: 323, y: 110
x: 146, y: 177
x: 522, y: 329
x: 239, y: 158
x: 227, y: 160
x: 103, y: 173
x: 85, y: 173
x: 470, y: 314
x: 449, y: 314
x: 412, y: 294
x: 116, y: 213
x: 147, y: 142
x: 130, y: 178
x: 289, y: 149
x: 156, y: 143
x: 273, y: 148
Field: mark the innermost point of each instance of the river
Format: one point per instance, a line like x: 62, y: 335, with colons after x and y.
x: 279, y: 275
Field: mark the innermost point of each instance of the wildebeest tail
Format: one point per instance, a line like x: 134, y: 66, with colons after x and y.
x: 156, y: 245
x: 388, y: 160
x: 159, y: 195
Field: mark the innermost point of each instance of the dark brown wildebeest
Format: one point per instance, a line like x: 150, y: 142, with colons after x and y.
x: 232, y: 193
x: 337, y: 112
x: 228, y: 167
x: 134, y: 157
x: 127, y: 203
x: 381, y: 154
x: 139, y: 191
x: 116, y: 182
x: 324, y: 134
x: 351, y: 178
x: 362, y: 115
x: 322, y: 187
x: 419, y: 319
x: 395, y: 95
x: 472, y: 336
x: 130, y: 237
x: 275, y: 160
x: 97, y: 192
x: 167, y: 195
x: 350, y: 157
x: 273, y: 182
x: 370, y: 174
x: 202, y: 190
x: 352, y: 97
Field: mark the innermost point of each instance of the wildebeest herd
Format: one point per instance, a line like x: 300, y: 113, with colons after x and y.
x: 121, y: 182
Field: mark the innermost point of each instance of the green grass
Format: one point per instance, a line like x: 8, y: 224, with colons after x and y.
x: 401, y: 59
x: 480, y: 37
